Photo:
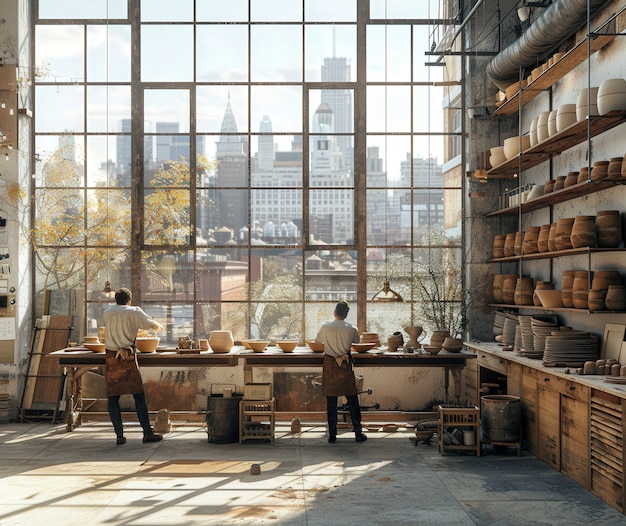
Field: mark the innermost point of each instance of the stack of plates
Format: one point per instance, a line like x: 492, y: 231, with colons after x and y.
x: 542, y: 328
x: 570, y: 348
x: 498, y: 323
x: 518, y: 338
x: 508, y: 329
x: 527, y: 336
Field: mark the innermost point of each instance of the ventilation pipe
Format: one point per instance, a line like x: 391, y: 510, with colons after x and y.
x: 557, y: 23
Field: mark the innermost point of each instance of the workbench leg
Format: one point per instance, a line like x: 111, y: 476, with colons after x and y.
x: 446, y: 384
x: 457, y: 383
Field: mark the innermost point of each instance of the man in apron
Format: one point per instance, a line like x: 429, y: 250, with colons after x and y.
x: 338, y: 374
x: 122, y: 374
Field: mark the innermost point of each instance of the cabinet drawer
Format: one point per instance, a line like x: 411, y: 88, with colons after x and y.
x: 495, y: 363
x: 564, y: 386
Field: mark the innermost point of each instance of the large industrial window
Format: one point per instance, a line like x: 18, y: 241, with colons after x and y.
x: 244, y: 165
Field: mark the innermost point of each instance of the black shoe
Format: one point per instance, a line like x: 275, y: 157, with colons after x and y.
x: 360, y: 437
x: 120, y: 441
x: 152, y: 438
x: 332, y: 439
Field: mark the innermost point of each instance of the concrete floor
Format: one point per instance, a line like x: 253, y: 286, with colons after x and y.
x: 48, y: 476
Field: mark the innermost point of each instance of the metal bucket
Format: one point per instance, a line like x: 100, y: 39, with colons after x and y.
x: 500, y: 418
x: 222, y: 419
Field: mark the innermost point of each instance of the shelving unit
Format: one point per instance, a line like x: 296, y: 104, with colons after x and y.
x: 257, y: 417
x: 455, y: 418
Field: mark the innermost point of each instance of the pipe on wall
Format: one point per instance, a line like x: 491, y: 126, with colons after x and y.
x: 558, y: 22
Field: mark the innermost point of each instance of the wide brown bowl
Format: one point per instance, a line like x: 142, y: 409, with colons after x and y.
x: 363, y: 347
x: 315, y: 346
x: 454, y: 348
x: 431, y: 350
x: 148, y: 344
x: 258, y: 345
x: 95, y: 347
x: 287, y: 345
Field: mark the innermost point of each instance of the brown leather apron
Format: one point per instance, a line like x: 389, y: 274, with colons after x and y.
x: 338, y: 380
x: 122, y: 376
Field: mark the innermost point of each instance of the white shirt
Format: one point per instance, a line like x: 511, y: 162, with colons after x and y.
x: 122, y: 323
x: 338, y: 336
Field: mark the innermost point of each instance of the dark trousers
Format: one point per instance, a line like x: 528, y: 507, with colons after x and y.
x: 142, y: 413
x: 331, y: 412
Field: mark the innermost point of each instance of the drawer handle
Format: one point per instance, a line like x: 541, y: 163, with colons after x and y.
x: 572, y: 388
x: 546, y: 379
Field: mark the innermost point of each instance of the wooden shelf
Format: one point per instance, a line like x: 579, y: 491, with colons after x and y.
x: 555, y: 309
x: 556, y: 254
x: 574, y: 57
x: 560, y: 196
x: 575, y: 134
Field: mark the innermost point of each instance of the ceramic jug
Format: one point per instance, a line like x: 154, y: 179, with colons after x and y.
x: 414, y: 336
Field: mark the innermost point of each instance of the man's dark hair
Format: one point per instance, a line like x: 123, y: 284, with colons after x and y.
x: 342, y: 309
x: 123, y: 296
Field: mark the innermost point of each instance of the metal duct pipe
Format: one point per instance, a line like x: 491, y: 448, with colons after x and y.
x: 558, y: 22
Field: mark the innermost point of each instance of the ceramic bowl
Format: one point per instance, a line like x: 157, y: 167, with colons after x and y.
x: 246, y: 344
x: 455, y: 348
x: 362, y: 347
x: 147, y: 344
x: 565, y: 117
x: 550, y: 299
x: 497, y: 156
x: 258, y: 345
x: 512, y: 145
x: 431, y: 350
x: 91, y: 339
x: 315, y: 346
x: 95, y: 347
x: 287, y: 345
x: 537, y: 191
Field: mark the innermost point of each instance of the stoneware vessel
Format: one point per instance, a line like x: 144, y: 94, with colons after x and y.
x: 221, y: 341
x: 611, y: 96
x: 586, y: 103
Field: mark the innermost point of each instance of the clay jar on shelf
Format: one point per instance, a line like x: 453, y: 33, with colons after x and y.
x: 542, y: 238
x: 566, y: 288
x: 615, y: 298
x: 529, y: 243
x: 595, y: 300
x: 517, y: 244
x: 580, y: 289
x: 600, y: 170
x: 602, y: 279
x: 552, y: 238
x: 583, y: 174
x: 562, y: 236
x: 541, y: 285
x: 498, y: 246
x: 509, y: 244
x: 609, y: 228
x: 524, y: 290
x: 548, y: 187
x: 615, y: 166
x: 583, y: 232
x: 508, y: 288
x: 559, y: 183
x: 496, y: 288
x: 570, y: 179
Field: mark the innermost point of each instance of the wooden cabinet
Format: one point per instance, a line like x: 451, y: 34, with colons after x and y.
x: 257, y: 420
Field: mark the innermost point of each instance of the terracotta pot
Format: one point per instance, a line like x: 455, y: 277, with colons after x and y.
x: 580, y: 289
x: 508, y: 288
x: 542, y: 238
x: 570, y: 179
x: 602, y: 279
x: 566, y: 288
x: 529, y: 242
x: 496, y: 287
x: 438, y: 337
x: 583, y: 174
x: 595, y: 300
x: 541, y: 285
x: 524, y: 289
x: 509, y: 244
x: 600, y: 170
x: 221, y: 341
x: 517, y: 244
x: 414, y: 333
x: 548, y: 187
x: 498, y: 246
x: 609, y: 228
x: 616, y: 298
x: 615, y: 166
x: 559, y: 183
x: 562, y: 236
x: 583, y: 232
x: 552, y: 238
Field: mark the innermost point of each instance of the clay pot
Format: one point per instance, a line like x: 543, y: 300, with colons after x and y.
x: 512, y: 145
x: 542, y: 238
x: 595, y: 300
x: 221, y: 341
x: 414, y: 333
x: 565, y: 116
x: 615, y: 298
x: 600, y: 170
x: 509, y: 244
x: 570, y: 179
x: 370, y: 337
x: 583, y: 232
x: 609, y: 228
x: 497, y: 156
x: 548, y: 187
x: 508, y: 288
x: 524, y: 289
x: 611, y: 96
x: 552, y: 238
x: 517, y: 244
x: 566, y: 288
x: 496, y: 287
x: 615, y: 166
x: 552, y: 123
x: 562, y: 236
x: 542, y: 126
x: 533, y: 132
x: 587, y: 103
x: 438, y: 337
x: 529, y: 241
x: 498, y: 246
x: 559, y: 183
x: 583, y: 174
x: 602, y: 279
x: 541, y: 285
x: 580, y: 289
